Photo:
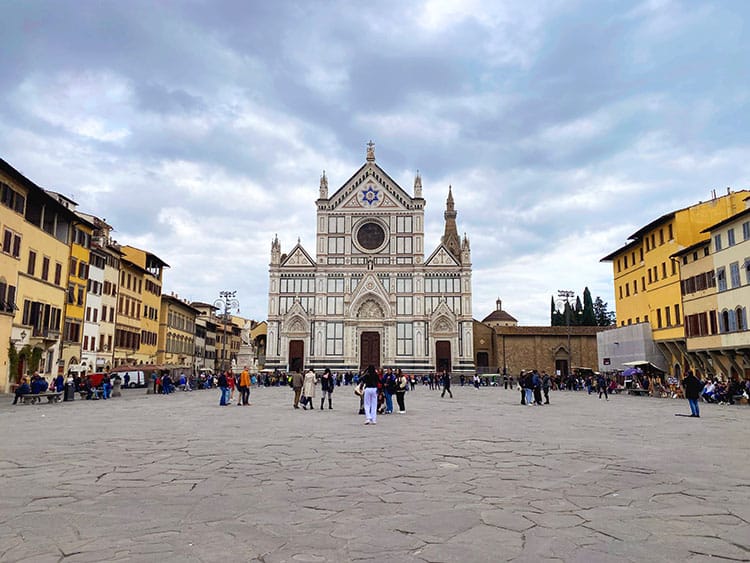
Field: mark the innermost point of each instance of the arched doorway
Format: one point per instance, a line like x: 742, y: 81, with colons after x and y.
x: 296, y: 355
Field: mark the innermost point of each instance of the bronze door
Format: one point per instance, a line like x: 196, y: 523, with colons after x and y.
x: 369, y: 350
x: 443, y: 356
x: 296, y: 355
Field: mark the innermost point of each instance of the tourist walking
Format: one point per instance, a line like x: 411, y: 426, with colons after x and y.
x: 297, y: 381
x: 692, y: 386
x: 402, y: 384
x: 601, y: 386
x: 371, y: 395
x: 327, y: 383
x: 446, y: 381
x: 308, y: 389
x: 244, y: 388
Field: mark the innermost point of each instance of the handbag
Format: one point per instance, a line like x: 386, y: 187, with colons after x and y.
x: 359, y: 390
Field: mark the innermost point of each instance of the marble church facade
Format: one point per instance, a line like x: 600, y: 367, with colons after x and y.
x: 369, y: 296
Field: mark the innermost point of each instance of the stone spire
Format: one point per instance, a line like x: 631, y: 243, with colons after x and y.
x: 323, y: 186
x: 370, y: 151
x: 418, y: 185
x: 451, y: 239
x: 275, y: 250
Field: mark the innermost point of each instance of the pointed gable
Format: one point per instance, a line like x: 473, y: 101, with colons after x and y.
x: 298, y: 257
x: 370, y: 188
x: 441, y: 257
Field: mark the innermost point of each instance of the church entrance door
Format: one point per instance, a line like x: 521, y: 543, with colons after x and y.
x: 369, y: 350
x: 296, y: 355
x: 443, y: 355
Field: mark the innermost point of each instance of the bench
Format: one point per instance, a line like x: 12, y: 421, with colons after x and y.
x: 32, y: 398
x: 639, y: 392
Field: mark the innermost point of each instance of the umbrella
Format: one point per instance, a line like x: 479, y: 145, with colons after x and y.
x: 632, y: 371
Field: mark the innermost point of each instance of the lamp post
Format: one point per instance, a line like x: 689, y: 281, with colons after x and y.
x: 565, y: 296
x: 227, y: 299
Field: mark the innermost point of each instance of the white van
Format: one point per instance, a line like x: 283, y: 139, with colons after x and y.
x: 134, y: 378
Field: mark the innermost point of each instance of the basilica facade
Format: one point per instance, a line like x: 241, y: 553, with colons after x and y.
x: 367, y: 295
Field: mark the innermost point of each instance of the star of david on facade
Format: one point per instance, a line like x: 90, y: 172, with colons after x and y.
x: 369, y: 195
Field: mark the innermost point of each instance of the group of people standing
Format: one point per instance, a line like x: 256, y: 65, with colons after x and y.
x: 227, y: 382
x: 376, y: 392
x: 304, y: 388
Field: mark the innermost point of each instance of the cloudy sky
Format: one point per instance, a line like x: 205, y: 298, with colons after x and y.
x: 199, y: 129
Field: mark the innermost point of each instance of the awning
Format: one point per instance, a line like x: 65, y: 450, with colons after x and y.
x: 643, y: 364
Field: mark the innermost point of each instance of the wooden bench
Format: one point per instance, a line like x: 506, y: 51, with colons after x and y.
x: 32, y: 398
x: 639, y: 392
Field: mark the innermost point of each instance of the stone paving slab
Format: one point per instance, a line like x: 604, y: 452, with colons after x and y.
x: 475, y: 478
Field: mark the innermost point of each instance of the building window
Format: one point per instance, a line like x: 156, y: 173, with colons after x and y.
x: 661, y: 237
x: 620, y: 292
x: 717, y: 243
x: 658, y: 318
x: 403, y: 245
x: 668, y: 316
x: 721, y: 279
x: 739, y: 314
x: 404, y: 224
x: 734, y: 273
x: 747, y: 270
x: 404, y: 305
x: 730, y: 237
x: 45, y: 268
x: 334, y: 305
x: 625, y: 262
x: 746, y: 230
x: 663, y: 270
x: 335, y: 245
x: 635, y: 287
x: 335, y: 285
x: 58, y: 273
x: 404, y: 339
x: 671, y: 234
x: 334, y: 339
x: 643, y: 283
x: 404, y: 285
x: 32, y: 263
x: 335, y: 224
x: 676, y: 314
x: 627, y: 289
x: 619, y: 266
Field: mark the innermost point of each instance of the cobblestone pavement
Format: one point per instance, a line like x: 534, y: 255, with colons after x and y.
x: 475, y: 478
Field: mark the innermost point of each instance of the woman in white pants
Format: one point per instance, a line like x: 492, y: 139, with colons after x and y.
x: 371, y: 395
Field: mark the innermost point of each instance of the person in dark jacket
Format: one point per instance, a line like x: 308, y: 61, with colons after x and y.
x: 371, y: 395
x: 22, y: 389
x: 546, y: 384
x: 446, y: 381
x: 223, y: 384
x: 327, y: 384
x: 693, y: 387
x: 536, y: 383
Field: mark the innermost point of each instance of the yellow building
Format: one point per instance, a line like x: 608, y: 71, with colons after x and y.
x: 647, y: 278
x: 176, y: 332
x: 36, y: 234
x: 716, y: 294
x: 78, y: 276
x: 138, y: 306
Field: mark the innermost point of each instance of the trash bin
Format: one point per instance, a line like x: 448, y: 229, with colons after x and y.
x: 70, y: 392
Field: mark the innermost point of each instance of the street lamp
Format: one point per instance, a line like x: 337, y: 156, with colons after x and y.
x: 227, y: 299
x: 566, y: 295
